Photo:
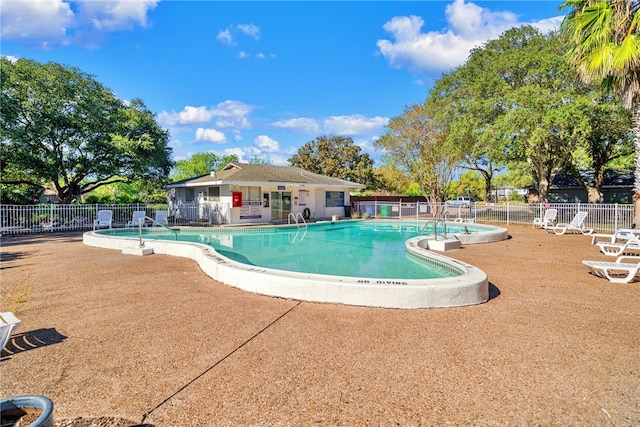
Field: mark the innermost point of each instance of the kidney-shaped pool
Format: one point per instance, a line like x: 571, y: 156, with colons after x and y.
x: 371, y: 263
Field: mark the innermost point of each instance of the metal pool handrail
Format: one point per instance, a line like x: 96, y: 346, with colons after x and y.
x: 295, y: 219
x: 435, y: 222
x: 153, y: 221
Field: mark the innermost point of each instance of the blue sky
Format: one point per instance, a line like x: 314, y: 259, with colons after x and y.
x: 260, y: 79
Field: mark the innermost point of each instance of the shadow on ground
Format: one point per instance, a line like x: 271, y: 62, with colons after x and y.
x: 31, y: 340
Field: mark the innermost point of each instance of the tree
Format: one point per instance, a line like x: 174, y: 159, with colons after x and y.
x: 515, y: 99
x: 468, y: 184
x: 61, y: 129
x: 605, y: 47
x: 337, y: 157
x: 392, y: 180
x: 416, y: 144
x: 200, y: 164
x: 464, y: 101
x: 607, y: 140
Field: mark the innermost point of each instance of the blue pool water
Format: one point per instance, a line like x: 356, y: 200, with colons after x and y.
x: 369, y: 249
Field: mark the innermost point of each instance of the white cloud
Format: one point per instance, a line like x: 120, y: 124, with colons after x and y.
x: 210, y: 135
x: 549, y: 24
x: 266, y: 144
x: 10, y: 58
x: 189, y: 115
x: 301, y: 124
x: 354, y: 125
x: 228, y: 114
x: 250, y: 30
x: 469, y: 25
x: 116, y: 15
x: 43, y: 23
x: 232, y: 114
x: 228, y: 35
x: 52, y: 23
x: 225, y: 36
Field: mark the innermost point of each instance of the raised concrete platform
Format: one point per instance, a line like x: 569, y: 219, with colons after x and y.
x: 443, y: 245
x: 138, y: 250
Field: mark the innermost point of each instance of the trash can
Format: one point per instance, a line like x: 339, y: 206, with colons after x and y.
x: 384, y: 210
x: 370, y: 210
x: 347, y: 211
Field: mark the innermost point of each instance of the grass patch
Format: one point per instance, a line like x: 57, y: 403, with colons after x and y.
x: 15, y: 296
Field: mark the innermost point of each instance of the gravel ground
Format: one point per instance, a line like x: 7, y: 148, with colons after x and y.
x: 117, y: 340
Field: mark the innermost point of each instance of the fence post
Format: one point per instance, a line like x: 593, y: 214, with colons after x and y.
x: 508, y: 209
x: 615, y: 220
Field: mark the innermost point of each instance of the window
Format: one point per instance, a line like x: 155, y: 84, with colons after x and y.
x: 189, y: 194
x: 335, y: 199
x: 214, y: 193
x: 251, y: 194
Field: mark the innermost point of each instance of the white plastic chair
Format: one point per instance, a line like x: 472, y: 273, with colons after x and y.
x: 137, y: 219
x: 547, y: 219
x: 8, y: 322
x: 104, y: 218
x: 615, y: 272
x: 575, y: 226
x: 162, y: 218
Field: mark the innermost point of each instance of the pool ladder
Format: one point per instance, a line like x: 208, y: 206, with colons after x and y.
x: 435, y: 222
x: 294, y: 218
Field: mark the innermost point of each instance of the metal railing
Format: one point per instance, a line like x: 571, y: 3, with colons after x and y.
x: 21, y: 219
x: 602, y: 217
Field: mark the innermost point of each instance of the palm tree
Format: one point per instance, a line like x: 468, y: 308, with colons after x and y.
x: 605, y: 43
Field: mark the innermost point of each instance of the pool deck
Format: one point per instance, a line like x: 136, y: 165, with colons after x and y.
x: 154, y: 340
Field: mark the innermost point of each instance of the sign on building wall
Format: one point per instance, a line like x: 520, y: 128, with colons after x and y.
x: 302, y: 194
x: 251, y: 210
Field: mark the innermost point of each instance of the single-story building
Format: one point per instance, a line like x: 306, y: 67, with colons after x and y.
x: 243, y: 193
x: 616, y: 188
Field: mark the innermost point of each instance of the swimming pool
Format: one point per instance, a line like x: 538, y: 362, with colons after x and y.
x: 373, y: 263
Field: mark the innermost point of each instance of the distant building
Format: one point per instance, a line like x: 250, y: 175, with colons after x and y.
x: 48, y: 196
x: 243, y: 193
x: 617, y: 188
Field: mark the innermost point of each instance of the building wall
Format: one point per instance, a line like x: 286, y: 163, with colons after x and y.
x: 253, y: 211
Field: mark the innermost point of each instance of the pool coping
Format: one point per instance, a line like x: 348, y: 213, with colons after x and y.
x: 470, y: 288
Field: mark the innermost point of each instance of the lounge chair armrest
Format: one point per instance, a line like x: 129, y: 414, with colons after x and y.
x: 8, y: 318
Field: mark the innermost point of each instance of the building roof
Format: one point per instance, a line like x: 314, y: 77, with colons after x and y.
x: 612, y: 178
x: 259, y: 174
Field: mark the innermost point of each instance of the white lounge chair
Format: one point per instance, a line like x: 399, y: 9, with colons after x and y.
x: 137, y: 219
x: 161, y: 218
x: 103, y: 219
x: 8, y: 322
x: 631, y: 246
x: 549, y: 218
x: 621, y: 235
x: 575, y: 226
x: 615, y: 272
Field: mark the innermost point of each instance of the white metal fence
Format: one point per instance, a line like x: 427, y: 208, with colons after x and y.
x: 602, y: 217
x: 18, y: 219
